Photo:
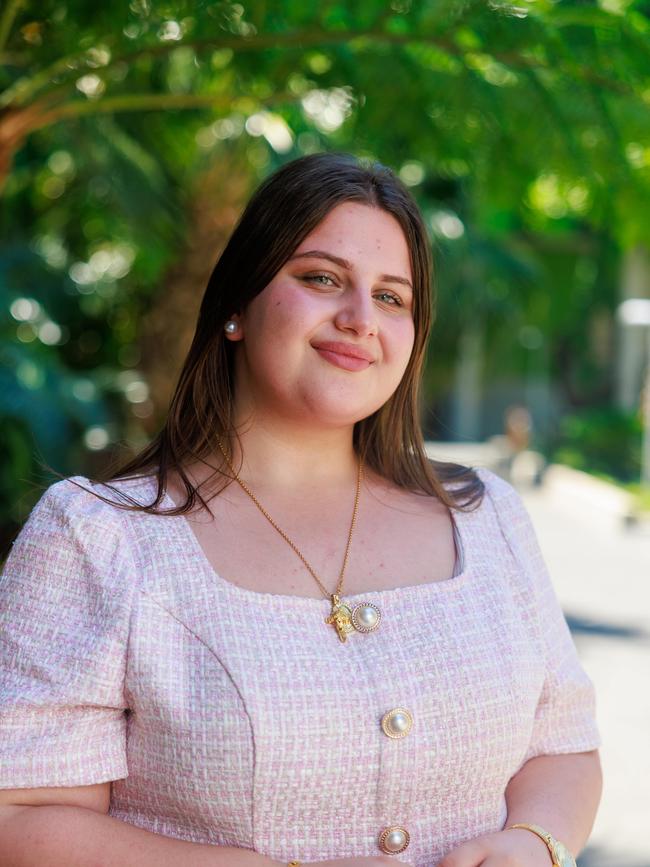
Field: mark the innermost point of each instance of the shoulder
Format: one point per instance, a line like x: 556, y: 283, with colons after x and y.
x: 69, y: 582
x: 490, y: 492
x: 506, y: 504
x: 64, y: 504
x: 72, y: 551
x: 501, y: 510
x: 506, y: 510
x: 78, y: 514
x: 83, y: 498
x: 497, y: 489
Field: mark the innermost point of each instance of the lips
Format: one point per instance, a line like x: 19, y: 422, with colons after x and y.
x: 341, y: 348
x: 344, y: 355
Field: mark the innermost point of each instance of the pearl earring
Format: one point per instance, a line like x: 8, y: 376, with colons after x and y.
x: 230, y: 327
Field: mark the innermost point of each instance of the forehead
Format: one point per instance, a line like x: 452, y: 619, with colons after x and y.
x: 362, y: 233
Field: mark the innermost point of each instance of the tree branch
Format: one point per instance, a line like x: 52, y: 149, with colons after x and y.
x: 73, y: 65
x: 21, y: 90
x: 144, y: 102
x: 7, y: 19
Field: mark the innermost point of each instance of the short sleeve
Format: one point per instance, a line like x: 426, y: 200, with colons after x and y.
x: 65, y: 599
x: 565, y: 718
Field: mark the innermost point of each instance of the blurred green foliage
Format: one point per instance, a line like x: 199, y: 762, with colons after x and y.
x: 640, y: 499
x: 603, y: 441
x: 522, y: 128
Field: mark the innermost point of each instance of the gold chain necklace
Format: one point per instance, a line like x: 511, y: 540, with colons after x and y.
x: 363, y: 617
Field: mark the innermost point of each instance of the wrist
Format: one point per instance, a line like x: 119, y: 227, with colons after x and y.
x: 535, y: 848
x: 558, y: 854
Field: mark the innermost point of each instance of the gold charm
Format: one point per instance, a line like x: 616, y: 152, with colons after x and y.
x: 340, y: 617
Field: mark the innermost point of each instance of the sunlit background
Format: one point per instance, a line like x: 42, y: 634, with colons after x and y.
x: 132, y: 134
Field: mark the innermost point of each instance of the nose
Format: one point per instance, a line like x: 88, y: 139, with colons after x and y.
x: 358, y: 314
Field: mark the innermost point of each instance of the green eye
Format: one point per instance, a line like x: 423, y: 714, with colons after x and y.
x: 319, y: 279
x: 391, y: 299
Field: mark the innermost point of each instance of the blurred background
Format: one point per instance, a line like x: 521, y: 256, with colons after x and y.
x: 132, y: 134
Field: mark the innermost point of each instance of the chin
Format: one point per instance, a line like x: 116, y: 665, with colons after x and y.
x: 341, y: 412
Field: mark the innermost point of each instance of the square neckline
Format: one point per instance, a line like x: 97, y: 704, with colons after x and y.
x: 445, y: 585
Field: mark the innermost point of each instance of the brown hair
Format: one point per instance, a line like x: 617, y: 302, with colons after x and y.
x: 286, y: 207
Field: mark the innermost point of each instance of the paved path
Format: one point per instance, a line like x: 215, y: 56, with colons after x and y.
x: 601, y: 574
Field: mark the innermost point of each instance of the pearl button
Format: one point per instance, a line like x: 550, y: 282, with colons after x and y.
x: 397, y: 723
x: 394, y: 840
x: 365, y: 617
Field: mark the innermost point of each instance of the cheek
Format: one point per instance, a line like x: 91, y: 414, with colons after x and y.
x: 274, y: 336
x: 284, y: 312
x: 399, y: 344
x: 264, y: 321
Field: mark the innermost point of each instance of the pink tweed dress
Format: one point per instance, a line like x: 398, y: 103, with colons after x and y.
x: 233, y: 717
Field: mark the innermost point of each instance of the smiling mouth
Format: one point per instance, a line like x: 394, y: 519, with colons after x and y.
x: 347, y: 358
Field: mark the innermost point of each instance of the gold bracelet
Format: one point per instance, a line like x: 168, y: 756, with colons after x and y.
x: 293, y: 864
x: 560, y: 855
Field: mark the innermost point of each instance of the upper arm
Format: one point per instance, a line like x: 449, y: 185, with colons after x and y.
x: 565, y: 718
x: 66, y: 593
x: 96, y: 797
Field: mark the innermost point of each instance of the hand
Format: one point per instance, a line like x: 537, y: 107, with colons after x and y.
x: 516, y: 848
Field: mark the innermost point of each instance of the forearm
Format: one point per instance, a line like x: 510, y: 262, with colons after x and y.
x: 561, y: 793
x: 62, y: 836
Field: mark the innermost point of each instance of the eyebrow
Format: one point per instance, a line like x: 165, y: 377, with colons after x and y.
x: 344, y: 263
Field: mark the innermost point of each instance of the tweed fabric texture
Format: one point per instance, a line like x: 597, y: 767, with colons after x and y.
x: 233, y: 717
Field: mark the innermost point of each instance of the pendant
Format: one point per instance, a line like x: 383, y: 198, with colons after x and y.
x: 364, y: 617
x: 340, y: 618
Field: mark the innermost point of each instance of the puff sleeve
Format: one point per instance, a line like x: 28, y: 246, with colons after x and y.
x: 565, y: 717
x: 65, y: 599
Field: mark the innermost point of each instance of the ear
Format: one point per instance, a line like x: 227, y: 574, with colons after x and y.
x: 233, y: 329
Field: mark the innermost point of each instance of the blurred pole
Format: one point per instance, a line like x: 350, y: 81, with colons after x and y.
x: 635, y: 284
x: 635, y: 313
x: 537, y: 390
x: 645, y: 449
x: 468, y: 383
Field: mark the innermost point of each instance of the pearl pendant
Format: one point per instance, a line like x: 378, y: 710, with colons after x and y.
x: 365, y: 617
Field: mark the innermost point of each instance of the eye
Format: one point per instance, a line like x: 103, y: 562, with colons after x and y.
x: 390, y: 298
x: 317, y: 278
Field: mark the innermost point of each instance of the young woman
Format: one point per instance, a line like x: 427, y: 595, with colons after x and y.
x: 281, y: 634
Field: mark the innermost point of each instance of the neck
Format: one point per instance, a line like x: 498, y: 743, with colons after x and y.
x: 283, y: 458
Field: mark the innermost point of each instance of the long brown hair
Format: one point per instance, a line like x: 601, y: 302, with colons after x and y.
x: 286, y: 207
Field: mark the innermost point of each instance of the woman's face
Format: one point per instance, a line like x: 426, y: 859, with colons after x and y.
x: 329, y: 338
